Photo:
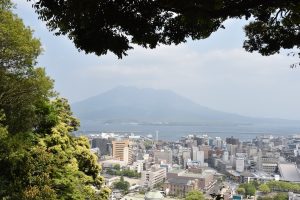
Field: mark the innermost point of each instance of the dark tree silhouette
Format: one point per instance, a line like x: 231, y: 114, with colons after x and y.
x: 99, y: 26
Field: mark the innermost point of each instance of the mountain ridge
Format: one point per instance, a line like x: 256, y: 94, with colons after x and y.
x: 145, y: 105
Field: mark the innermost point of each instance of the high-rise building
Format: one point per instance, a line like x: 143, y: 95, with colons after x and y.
x: 267, y: 161
x: 225, y: 156
x: 232, y: 140
x: 197, y: 155
x: 232, y: 149
x: 206, y: 149
x: 239, y: 164
x: 122, y: 151
x: 218, y: 142
x: 194, y: 152
x: 200, y: 157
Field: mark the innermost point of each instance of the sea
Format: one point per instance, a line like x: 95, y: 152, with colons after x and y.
x: 175, y: 132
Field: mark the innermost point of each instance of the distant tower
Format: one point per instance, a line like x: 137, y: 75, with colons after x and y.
x: 156, y: 138
x: 225, y: 156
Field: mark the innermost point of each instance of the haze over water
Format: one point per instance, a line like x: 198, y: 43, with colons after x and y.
x: 173, y: 133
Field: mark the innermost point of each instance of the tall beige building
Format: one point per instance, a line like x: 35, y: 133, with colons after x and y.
x: 122, y: 151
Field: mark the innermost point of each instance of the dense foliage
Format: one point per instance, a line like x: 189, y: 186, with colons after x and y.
x: 241, y: 190
x: 39, y: 158
x: 264, y: 188
x: 122, y: 185
x: 249, y: 189
x: 279, y: 196
x: 98, y: 26
x: 284, y: 186
x: 124, y: 172
x: 194, y: 195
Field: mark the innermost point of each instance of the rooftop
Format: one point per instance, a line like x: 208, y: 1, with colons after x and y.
x: 179, y: 181
x: 289, y: 172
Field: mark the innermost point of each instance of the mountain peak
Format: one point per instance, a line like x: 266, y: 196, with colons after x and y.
x: 144, y: 104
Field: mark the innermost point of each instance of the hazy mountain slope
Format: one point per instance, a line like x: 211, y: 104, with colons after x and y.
x: 148, y: 109
x: 147, y: 105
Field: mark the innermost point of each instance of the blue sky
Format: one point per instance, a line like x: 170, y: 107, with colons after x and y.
x: 215, y: 72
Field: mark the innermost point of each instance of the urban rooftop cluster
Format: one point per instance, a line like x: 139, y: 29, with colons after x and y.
x: 139, y: 167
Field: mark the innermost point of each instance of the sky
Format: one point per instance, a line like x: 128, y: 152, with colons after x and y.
x: 215, y: 72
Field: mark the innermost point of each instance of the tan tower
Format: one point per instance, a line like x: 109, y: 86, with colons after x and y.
x: 122, y: 150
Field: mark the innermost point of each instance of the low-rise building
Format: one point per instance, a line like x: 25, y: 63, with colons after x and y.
x: 205, y: 180
x: 180, y: 186
x: 164, y: 156
x: 153, y: 176
x: 111, y: 163
x: 294, y: 196
x: 137, y: 166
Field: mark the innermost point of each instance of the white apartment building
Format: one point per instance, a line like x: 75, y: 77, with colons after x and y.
x: 153, y: 176
x: 239, y: 164
x: 137, y: 166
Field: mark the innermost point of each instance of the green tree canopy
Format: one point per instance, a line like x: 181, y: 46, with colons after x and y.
x: 99, y: 26
x: 194, y: 195
x: 249, y: 188
x: 22, y: 86
x: 18, y: 49
x: 264, y: 188
x: 55, y: 165
x: 122, y: 185
x: 283, y: 186
x: 277, y: 196
x: 39, y: 157
x: 241, y: 190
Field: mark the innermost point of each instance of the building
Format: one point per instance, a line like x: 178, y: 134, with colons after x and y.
x: 164, y: 156
x: 205, y: 180
x: 232, y: 148
x: 206, y: 149
x: 153, y: 176
x: 289, y: 172
x: 183, y: 156
x: 195, y: 149
x: 294, y: 196
x: 232, y: 140
x: 218, y: 142
x: 222, y: 166
x: 103, y: 144
x: 239, y: 164
x: 110, y: 180
x: 197, y: 155
x: 225, y: 156
x: 267, y: 161
x: 151, y: 195
x: 111, y: 163
x: 138, y: 166
x: 122, y: 151
x: 180, y: 186
x: 252, y: 151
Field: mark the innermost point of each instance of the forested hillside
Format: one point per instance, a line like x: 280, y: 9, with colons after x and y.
x: 39, y: 157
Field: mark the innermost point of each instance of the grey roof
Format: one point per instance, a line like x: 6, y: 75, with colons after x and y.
x: 289, y: 172
x: 247, y: 174
x: 179, y: 181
